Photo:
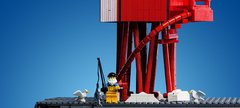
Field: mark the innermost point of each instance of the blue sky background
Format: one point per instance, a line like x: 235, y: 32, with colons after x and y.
x: 48, y: 48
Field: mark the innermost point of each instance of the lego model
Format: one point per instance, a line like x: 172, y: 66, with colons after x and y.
x: 81, y: 95
x: 113, y: 87
x: 132, y: 17
x: 197, y: 96
x: 135, y: 42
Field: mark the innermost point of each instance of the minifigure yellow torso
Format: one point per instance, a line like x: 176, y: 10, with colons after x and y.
x: 113, y: 88
x: 112, y: 94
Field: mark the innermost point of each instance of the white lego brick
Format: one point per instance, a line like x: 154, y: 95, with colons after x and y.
x: 142, y: 97
x: 178, y: 95
x: 108, y: 11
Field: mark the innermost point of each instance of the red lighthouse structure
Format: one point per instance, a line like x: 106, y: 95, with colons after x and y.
x: 165, y: 17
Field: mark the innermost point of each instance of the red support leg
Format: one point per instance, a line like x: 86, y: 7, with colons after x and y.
x: 151, y: 62
x: 172, y: 55
x: 149, y: 71
x: 119, y: 45
x: 139, y: 86
x: 123, y: 54
x: 129, y: 51
x: 142, y: 26
x: 153, y: 76
x: 166, y: 64
x: 149, y: 68
x: 124, y: 44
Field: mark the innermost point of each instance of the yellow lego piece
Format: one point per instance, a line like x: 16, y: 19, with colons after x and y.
x: 112, y: 94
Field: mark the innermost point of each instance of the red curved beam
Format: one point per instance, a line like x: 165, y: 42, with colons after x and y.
x: 148, y: 38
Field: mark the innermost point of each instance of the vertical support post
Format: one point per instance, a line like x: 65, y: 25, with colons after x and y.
x: 154, y: 64
x: 129, y: 51
x: 139, y: 86
x: 166, y: 63
x: 151, y: 61
x: 124, y: 44
x: 172, y: 55
x: 123, y: 82
x: 142, y: 26
x: 119, y: 44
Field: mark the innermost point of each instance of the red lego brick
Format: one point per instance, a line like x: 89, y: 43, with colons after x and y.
x: 143, y: 10
x: 154, y: 10
x: 172, y: 34
x: 202, y: 13
x: 176, y: 7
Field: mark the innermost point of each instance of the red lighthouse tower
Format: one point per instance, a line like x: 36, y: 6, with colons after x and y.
x: 165, y: 17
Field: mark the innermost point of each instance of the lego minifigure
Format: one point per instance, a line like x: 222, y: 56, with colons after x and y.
x: 113, y: 87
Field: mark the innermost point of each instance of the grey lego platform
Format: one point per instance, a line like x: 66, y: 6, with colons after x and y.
x: 70, y: 102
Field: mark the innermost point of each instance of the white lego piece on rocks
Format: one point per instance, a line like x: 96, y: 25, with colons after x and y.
x: 178, y: 95
x: 142, y: 97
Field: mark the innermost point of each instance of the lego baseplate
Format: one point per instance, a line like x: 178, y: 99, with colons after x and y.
x: 70, y: 102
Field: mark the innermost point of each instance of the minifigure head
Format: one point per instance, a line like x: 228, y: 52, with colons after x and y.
x: 112, y: 80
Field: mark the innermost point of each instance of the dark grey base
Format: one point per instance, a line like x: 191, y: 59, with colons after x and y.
x: 65, y: 102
